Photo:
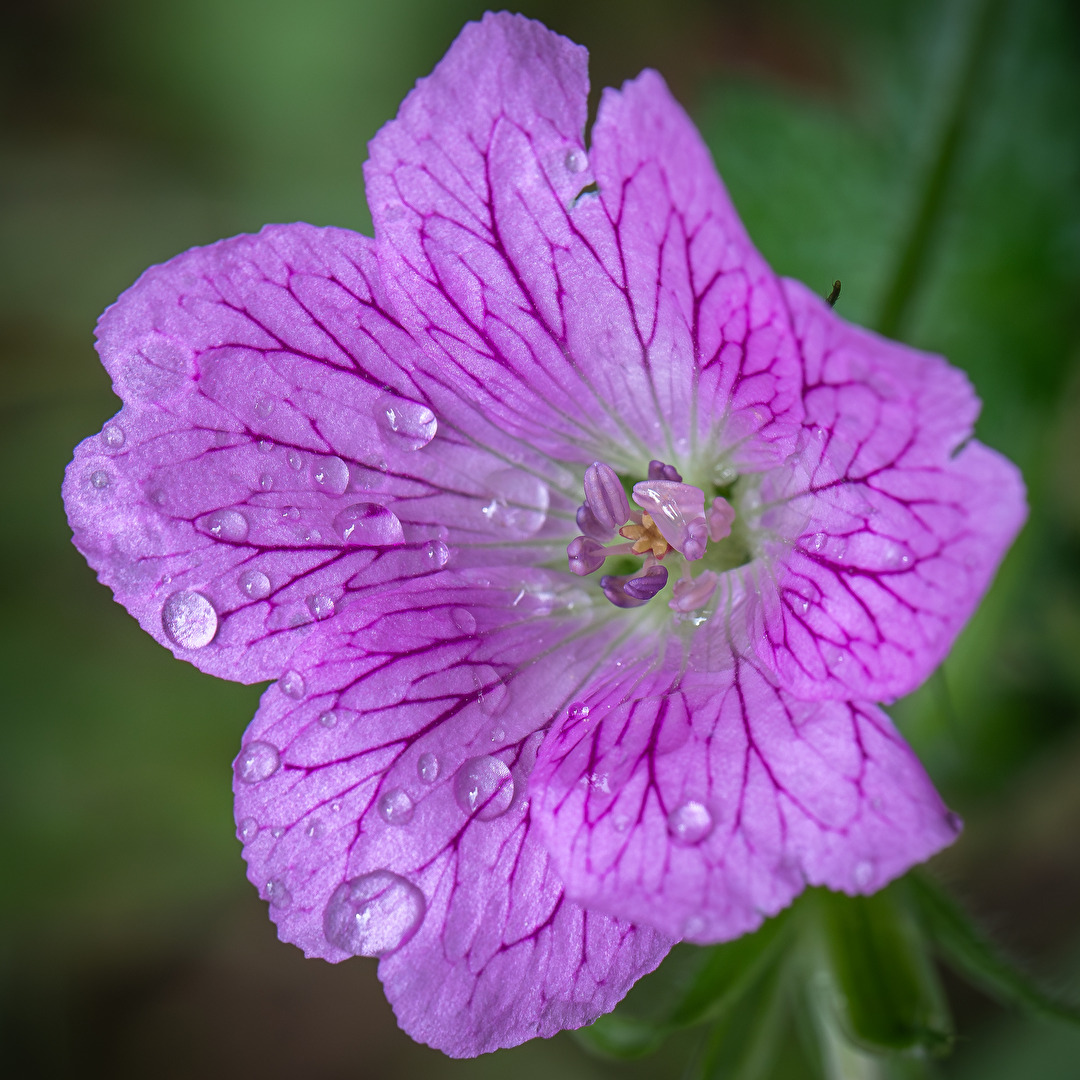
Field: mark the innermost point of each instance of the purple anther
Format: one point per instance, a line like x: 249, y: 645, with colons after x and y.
x: 585, y: 554
x: 587, y: 523
x: 721, y: 518
x: 679, y: 513
x: 690, y: 594
x: 605, y: 497
x: 645, y: 586
x: 615, y: 590
x: 659, y: 471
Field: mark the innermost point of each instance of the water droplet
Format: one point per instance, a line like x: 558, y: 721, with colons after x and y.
x: 463, y: 619
x: 330, y: 474
x: 518, y: 504
x: 266, y: 446
x: 427, y: 768
x: 328, y: 718
x: 864, y: 871
x: 369, y: 524
x: 278, y: 895
x: 314, y: 831
x: 407, y: 425
x: 113, y: 436
x: 578, y: 710
x: 266, y: 482
x: 576, y: 160
x: 290, y: 513
x: 247, y: 830
x: 395, y: 807
x: 189, y: 620
x: 491, y: 693
x: 335, y: 807
x: 816, y: 542
x: 277, y: 832
x: 263, y: 406
x: 322, y: 607
x: 437, y: 554
x: 292, y: 684
x: 295, y: 460
x: 225, y: 525
x: 374, y: 914
x: 99, y: 478
x: 690, y: 823
x: 254, y: 583
x: 312, y: 536
x: 256, y: 762
x: 621, y: 823
x: 484, y: 787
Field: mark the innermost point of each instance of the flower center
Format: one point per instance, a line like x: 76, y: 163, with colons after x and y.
x: 672, y: 518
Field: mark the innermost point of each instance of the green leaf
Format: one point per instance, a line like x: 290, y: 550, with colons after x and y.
x: 888, y: 995
x: 970, y: 953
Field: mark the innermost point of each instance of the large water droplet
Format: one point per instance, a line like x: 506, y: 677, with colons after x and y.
x: 225, y: 525
x: 374, y: 914
x: 321, y: 606
x: 278, y: 894
x: 518, y: 504
x: 405, y: 424
x: 690, y: 823
x: 395, y: 807
x: 484, y: 787
x: 189, y: 620
x: 113, y: 436
x: 427, y: 768
x: 99, y: 478
x: 254, y: 583
x: 437, y: 554
x: 369, y: 524
x: 256, y: 762
x: 292, y: 684
x: 330, y: 474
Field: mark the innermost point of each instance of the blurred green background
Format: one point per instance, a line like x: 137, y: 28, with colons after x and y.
x: 926, y: 154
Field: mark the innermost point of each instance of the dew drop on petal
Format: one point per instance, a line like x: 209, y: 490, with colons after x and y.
x: 577, y: 710
x: 369, y: 524
x: 437, y: 554
x: 330, y: 474
x: 427, y: 768
x: 263, y: 406
x: 328, y: 718
x: 321, y: 606
x: 247, y: 830
x: 277, y: 832
x: 373, y: 914
x: 266, y: 446
x: 99, y: 478
x: 484, y: 787
x: 225, y: 525
x: 277, y: 893
x: 491, y: 693
x: 405, y: 424
x: 517, y: 504
x: 395, y: 807
x: 256, y: 761
x: 576, y: 160
x: 690, y: 822
x: 254, y: 583
x: 113, y: 436
x: 189, y: 620
x: 295, y: 461
x: 292, y: 684
x: 864, y: 872
x: 314, y: 831
x: 266, y: 482
x: 463, y: 619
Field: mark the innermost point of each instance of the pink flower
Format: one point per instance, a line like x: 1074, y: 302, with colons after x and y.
x: 355, y: 467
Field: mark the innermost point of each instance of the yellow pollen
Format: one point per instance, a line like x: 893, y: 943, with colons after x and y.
x: 647, y: 537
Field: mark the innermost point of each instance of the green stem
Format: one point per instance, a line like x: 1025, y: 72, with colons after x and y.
x: 910, y: 268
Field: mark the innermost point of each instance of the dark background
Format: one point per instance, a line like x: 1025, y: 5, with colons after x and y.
x: 858, y: 142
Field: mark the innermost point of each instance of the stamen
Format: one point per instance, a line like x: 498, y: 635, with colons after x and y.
x: 587, y: 523
x: 585, y: 555
x: 636, y: 589
x: 605, y: 497
x: 679, y: 512
x: 690, y: 593
x: 659, y: 471
x: 721, y: 518
x: 647, y: 537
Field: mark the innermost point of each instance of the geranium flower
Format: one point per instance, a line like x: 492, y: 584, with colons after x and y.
x: 508, y: 751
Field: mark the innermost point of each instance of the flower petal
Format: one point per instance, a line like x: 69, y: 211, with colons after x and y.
x: 701, y: 805
x: 902, y: 519
x: 593, y: 327
x: 388, y: 812
x: 275, y: 458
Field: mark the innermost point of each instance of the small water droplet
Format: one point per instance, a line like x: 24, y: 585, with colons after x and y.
x: 266, y: 482
x: 407, y: 425
x: 254, y: 583
x: 99, y: 478
x: 463, y: 619
x: 266, y: 446
x: 189, y: 620
x: 321, y: 606
x: 576, y: 160
x: 395, y: 807
x: 312, y: 536
x: 314, y: 830
x: 864, y: 871
x: 491, y: 693
x: 228, y: 525
x: 277, y: 832
x: 290, y: 513
x: 113, y: 436
x: 292, y: 684
x: 373, y: 914
x: 335, y: 807
x: 498, y: 735
x: 621, y: 823
x: 578, y: 710
x: 368, y: 524
x: 295, y: 460
x: 484, y: 787
x: 256, y: 761
x: 247, y: 830
x: 330, y: 474
x: 278, y: 895
x: 328, y: 718
x: 437, y: 554
x: 690, y: 823
x: 263, y: 406
x: 427, y: 768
